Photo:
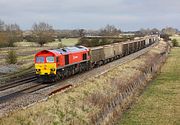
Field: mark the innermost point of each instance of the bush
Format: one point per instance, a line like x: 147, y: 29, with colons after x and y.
x: 165, y: 37
x: 2, y: 44
x: 60, y: 45
x: 11, y: 57
x: 105, y: 42
x: 92, y: 42
x: 175, y: 42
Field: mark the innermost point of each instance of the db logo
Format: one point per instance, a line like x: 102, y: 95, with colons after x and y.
x: 75, y: 57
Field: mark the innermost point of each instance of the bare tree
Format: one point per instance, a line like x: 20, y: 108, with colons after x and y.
x: 1, y: 26
x: 2, y: 34
x: 155, y: 31
x: 14, y: 34
x: 81, y: 32
x: 145, y: 31
x: 169, y: 31
x: 9, y: 34
x: 110, y: 30
x: 43, y: 33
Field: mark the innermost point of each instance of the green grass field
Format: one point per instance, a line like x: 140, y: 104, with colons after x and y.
x: 177, y: 38
x: 160, y: 103
x: 65, y: 42
x: 70, y: 41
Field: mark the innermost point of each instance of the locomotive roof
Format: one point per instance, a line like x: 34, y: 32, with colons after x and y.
x: 65, y: 50
x: 71, y: 49
x: 75, y: 49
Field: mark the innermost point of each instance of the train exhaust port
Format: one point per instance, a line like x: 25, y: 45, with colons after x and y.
x: 60, y: 89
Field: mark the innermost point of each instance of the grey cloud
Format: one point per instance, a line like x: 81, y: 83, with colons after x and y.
x: 127, y: 14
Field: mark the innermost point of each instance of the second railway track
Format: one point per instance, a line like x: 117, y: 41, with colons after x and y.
x: 30, y: 89
x: 18, y: 82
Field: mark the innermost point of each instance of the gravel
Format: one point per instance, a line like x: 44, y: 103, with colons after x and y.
x: 8, y: 68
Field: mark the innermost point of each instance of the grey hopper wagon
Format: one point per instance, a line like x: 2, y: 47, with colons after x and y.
x: 128, y: 47
x: 108, y: 51
x: 97, y: 54
x: 117, y: 49
x: 125, y: 48
x: 147, y: 41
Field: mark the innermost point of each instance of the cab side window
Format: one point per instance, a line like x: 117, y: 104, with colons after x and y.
x: 57, y: 59
x: 84, y: 56
x: 66, y: 59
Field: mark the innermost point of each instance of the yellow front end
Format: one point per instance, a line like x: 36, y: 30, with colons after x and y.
x: 45, y: 68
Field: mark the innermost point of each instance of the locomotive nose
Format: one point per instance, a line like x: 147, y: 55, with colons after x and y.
x: 45, y: 69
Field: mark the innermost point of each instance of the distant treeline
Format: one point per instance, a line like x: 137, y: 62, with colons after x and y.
x: 42, y: 33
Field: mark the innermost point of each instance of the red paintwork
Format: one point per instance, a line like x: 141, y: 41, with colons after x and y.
x: 74, y: 57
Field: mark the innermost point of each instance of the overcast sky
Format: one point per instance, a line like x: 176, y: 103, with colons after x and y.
x: 92, y: 14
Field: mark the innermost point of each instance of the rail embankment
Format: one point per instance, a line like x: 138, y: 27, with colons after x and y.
x: 160, y: 104
x: 99, y: 100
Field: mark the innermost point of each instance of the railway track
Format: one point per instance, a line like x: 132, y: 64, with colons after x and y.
x: 44, y: 90
x: 30, y: 89
x: 13, y: 77
x: 17, y: 83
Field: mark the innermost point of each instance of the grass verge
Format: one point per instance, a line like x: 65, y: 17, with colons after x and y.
x: 160, y: 104
x: 177, y: 38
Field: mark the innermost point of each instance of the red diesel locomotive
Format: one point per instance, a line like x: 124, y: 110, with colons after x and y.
x: 59, y: 63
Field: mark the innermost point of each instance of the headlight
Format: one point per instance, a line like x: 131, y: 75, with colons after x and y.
x: 38, y: 70
x: 52, y: 69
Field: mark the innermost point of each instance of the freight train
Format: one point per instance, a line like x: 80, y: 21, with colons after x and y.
x: 53, y: 65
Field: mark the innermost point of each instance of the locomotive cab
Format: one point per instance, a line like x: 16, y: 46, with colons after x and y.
x: 45, y: 64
